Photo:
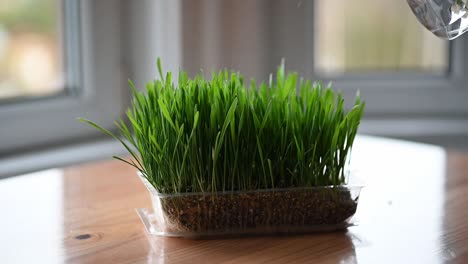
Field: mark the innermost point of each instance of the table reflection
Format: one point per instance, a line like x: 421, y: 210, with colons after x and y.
x: 336, y: 247
x: 401, y: 209
x: 32, y: 218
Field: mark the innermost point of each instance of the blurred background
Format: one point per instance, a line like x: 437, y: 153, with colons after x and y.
x: 63, y: 59
x: 30, y: 48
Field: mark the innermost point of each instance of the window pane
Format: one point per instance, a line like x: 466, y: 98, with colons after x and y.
x: 30, y: 48
x: 363, y: 35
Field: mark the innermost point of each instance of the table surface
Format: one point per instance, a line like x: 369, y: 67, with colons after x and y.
x: 414, y: 209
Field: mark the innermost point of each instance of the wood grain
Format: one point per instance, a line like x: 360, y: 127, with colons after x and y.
x: 414, y: 209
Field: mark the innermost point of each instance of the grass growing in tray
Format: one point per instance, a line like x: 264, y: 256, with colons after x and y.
x: 224, y: 134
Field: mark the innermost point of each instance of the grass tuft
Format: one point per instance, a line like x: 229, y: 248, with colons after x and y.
x: 204, y: 135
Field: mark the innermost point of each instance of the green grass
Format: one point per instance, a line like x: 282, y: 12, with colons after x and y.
x: 222, y: 134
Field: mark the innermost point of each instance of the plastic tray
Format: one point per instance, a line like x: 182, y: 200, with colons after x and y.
x: 259, y: 212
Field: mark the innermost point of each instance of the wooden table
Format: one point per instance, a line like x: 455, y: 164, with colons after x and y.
x: 414, y: 209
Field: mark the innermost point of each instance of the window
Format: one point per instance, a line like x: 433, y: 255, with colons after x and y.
x: 386, y: 38
x: 412, y: 81
x: 65, y: 62
x: 30, y: 50
x: 324, y: 38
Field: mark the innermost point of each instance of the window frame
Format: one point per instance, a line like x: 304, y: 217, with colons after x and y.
x: 406, y: 104
x: 94, y: 89
x: 407, y: 94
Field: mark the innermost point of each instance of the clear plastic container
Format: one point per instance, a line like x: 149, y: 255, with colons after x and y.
x: 259, y: 212
x: 447, y: 19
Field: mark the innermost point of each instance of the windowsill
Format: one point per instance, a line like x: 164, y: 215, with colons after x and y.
x: 59, y: 156
x: 448, y: 133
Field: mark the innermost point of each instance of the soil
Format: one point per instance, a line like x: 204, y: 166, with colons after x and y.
x: 258, y: 210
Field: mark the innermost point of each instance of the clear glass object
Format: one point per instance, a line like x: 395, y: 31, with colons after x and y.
x: 447, y: 19
x: 259, y: 212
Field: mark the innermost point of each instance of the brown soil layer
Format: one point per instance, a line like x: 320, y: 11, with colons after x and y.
x: 242, y: 211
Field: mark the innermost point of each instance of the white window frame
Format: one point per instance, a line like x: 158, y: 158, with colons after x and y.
x: 96, y: 86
